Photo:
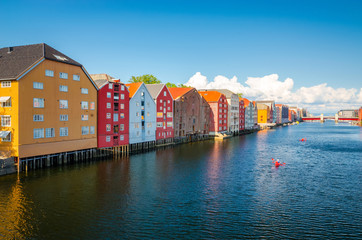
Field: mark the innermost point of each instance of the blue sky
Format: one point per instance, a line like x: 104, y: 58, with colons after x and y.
x: 312, y: 42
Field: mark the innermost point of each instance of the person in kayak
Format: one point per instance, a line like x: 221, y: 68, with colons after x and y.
x: 277, y: 163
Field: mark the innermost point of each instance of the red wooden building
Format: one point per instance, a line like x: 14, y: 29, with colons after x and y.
x: 164, y: 110
x: 241, y: 115
x: 219, y: 111
x: 113, y: 112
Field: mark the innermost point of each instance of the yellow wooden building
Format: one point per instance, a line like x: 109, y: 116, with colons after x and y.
x: 48, y: 103
x: 263, y: 113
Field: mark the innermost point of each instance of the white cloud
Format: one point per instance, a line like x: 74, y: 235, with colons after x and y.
x: 316, y: 98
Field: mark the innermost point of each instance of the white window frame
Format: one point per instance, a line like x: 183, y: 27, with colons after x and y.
x: 84, y: 90
x: 5, y: 84
x: 108, y: 105
x: 38, y: 85
x: 49, y: 132
x: 85, y: 117
x: 92, y: 130
x: 110, y: 86
x: 76, y: 77
x: 5, y: 120
x: 109, y: 94
x: 38, y: 117
x: 63, y: 117
x: 85, y: 130
x: 122, y: 96
x: 63, y: 131
x: 7, y: 139
x: 108, y: 115
x: 108, y: 127
x: 63, y: 75
x: 63, y: 104
x: 49, y: 73
x: 92, y: 106
x: 115, y: 117
x: 84, y: 105
x: 63, y: 88
x: 38, y: 133
x: 108, y: 138
x: 40, y: 102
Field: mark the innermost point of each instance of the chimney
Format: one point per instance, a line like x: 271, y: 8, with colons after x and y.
x: 10, y: 49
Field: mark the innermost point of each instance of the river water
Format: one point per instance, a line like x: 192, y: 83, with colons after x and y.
x: 220, y: 190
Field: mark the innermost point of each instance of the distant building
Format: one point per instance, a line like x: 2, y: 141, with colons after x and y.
x: 282, y: 113
x: 249, y: 114
x: 263, y: 113
x: 233, y: 108
x: 191, y: 113
x: 142, y: 115
x: 219, y: 111
x: 164, y: 117
x: 360, y: 115
x: 272, y: 117
x: 241, y: 114
x: 113, y: 111
x: 351, y: 113
x: 48, y: 103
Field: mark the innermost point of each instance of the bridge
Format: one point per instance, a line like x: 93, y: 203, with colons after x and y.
x: 322, y: 118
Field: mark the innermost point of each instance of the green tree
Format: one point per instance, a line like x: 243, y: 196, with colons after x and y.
x: 146, y: 78
x: 240, y: 95
x: 170, y: 85
x: 183, y: 86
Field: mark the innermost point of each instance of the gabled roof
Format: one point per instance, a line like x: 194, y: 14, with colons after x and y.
x: 178, y: 92
x: 262, y: 106
x: 14, y: 61
x: 102, y: 79
x: 211, y: 96
x: 154, y: 89
x: 133, y: 87
x: 226, y: 92
x: 246, y: 102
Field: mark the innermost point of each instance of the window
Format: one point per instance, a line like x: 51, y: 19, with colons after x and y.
x: 109, y: 95
x: 136, y: 125
x: 148, y: 132
x: 76, y: 77
x: 137, y: 104
x: 108, y: 115
x: 38, y: 102
x: 85, y: 130
x: 121, y: 137
x: 121, y: 127
x: 122, y: 115
x: 84, y: 105
x: 108, y: 127
x: 84, y: 117
x: 159, y: 124
x: 63, y: 75
x: 116, y: 96
x: 63, y: 117
x: 49, y: 132
x: 38, y: 117
x: 6, y: 121
x: 63, y: 131
x: 7, y: 138
x: 115, y: 117
x: 108, y: 138
x: 122, y: 106
x: 148, y: 114
x: 168, y: 108
x: 49, y: 73
x: 92, y: 105
x: 169, y: 124
x: 115, y: 129
x: 138, y: 133
x: 122, y: 96
x: 137, y: 114
x: 122, y: 87
x: 159, y: 114
x: 5, y: 84
x: 169, y: 114
x: 108, y: 105
x: 164, y: 93
x: 92, y: 130
x: 38, y: 133
x: 160, y: 100
x: 37, y: 85
x: 142, y: 93
x: 84, y: 90
x: 110, y: 86
x: 63, y: 88
x: 63, y: 104
x: 6, y: 102
x: 149, y: 125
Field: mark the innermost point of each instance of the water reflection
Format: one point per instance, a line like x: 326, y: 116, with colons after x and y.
x: 17, y: 220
